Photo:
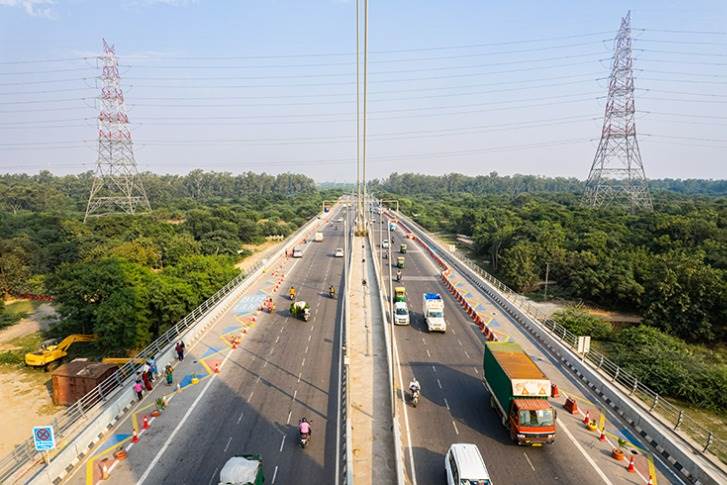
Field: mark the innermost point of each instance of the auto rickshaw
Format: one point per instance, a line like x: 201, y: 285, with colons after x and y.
x: 402, y: 248
x: 400, y: 262
x: 300, y: 309
x: 399, y: 294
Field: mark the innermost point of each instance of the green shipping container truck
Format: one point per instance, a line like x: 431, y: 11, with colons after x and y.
x: 519, y: 393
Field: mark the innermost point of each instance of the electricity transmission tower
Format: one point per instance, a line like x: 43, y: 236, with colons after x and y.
x: 116, y: 185
x: 617, y: 173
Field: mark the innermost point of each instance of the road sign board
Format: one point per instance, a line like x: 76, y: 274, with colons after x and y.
x: 44, y: 438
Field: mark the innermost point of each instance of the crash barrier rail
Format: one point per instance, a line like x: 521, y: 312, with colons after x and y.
x: 398, y: 455
x: 706, y: 444
x: 345, y: 472
x: 91, y: 405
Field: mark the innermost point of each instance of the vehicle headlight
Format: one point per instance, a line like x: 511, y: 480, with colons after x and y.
x: 521, y: 436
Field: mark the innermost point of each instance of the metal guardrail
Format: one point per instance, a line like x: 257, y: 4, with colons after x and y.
x: 90, y: 405
x: 345, y: 471
x: 658, y: 406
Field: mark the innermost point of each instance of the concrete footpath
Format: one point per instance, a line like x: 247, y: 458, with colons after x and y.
x: 369, y: 392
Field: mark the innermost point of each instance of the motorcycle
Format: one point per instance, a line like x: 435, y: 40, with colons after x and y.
x: 398, y: 277
x: 332, y: 292
x: 415, y: 397
x: 304, y: 439
x: 291, y: 294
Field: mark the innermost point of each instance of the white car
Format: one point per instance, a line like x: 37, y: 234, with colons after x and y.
x: 401, y: 313
x: 338, y: 253
x: 464, y: 464
x: 385, y: 244
x: 297, y: 253
x: 340, y: 219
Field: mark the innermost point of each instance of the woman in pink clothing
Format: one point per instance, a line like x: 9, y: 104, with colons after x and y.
x: 138, y: 389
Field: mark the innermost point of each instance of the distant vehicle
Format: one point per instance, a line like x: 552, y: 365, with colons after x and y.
x: 402, y: 248
x: 400, y: 262
x: 392, y: 226
x: 300, y: 309
x: 385, y: 244
x: 340, y: 219
x: 326, y: 209
x: 297, y: 253
x: 433, y: 308
x: 519, y: 393
x: 318, y: 237
x: 464, y: 465
x: 401, y: 313
x: 243, y: 470
x: 338, y: 253
x: 399, y: 294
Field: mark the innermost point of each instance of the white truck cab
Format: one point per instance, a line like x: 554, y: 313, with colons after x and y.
x: 433, y: 309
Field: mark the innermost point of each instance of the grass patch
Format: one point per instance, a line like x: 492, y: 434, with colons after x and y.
x: 22, y: 306
x: 21, y: 346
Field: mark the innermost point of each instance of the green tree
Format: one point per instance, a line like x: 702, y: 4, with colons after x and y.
x: 518, y: 266
x: 580, y: 322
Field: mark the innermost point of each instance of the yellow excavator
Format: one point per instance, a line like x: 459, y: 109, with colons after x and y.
x: 122, y: 360
x: 48, y: 355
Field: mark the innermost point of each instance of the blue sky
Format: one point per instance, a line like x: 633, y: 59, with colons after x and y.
x: 465, y: 86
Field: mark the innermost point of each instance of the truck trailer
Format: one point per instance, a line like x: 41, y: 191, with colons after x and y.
x: 519, y: 393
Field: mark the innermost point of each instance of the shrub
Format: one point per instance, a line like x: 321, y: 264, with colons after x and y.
x: 580, y: 322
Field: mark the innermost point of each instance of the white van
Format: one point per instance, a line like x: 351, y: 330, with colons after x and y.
x: 464, y: 465
x: 401, y: 313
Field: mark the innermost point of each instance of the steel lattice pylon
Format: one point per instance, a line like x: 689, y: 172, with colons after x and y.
x: 116, y: 186
x: 617, y: 174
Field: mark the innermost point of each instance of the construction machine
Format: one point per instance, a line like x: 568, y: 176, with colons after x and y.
x: 49, y: 355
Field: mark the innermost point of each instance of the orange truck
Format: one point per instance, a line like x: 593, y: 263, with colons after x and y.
x: 519, y: 393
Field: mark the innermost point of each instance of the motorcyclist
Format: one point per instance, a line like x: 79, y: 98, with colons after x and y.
x: 332, y: 291
x: 304, y: 427
x: 398, y: 275
x: 291, y: 292
x: 414, y: 386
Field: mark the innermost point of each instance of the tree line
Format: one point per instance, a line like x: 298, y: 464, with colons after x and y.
x: 127, y: 278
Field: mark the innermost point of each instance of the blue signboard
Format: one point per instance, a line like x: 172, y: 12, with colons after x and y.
x: 44, y: 438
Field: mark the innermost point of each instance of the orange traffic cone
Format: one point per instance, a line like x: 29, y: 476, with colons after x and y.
x: 603, y: 435
x: 104, y: 470
x: 554, y: 392
x: 217, y: 368
x: 631, y: 468
x: 146, y: 422
x: 587, y: 417
x: 134, y: 437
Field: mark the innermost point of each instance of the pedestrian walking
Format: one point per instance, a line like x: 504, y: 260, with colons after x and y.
x: 147, y: 382
x: 180, y: 350
x: 138, y: 389
x: 169, y: 372
x: 153, y: 368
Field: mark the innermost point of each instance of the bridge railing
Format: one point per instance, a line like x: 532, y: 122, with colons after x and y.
x: 656, y: 405
x: 68, y: 424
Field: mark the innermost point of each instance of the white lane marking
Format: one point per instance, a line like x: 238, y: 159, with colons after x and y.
x: 424, y: 341
x: 295, y: 393
x: 229, y: 440
x: 453, y: 332
x: 476, y: 371
x: 275, y: 474
x: 290, y: 413
x: 282, y: 443
x: 429, y: 354
x: 439, y: 383
x: 434, y: 369
x: 250, y: 397
x: 467, y: 354
x: 306, y: 350
x: 446, y: 403
x: 583, y: 452
x: 240, y: 418
x: 299, y: 374
x: 271, y: 350
x: 455, y: 427
x: 257, y: 380
x: 528, y: 459
x: 164, y: 447
x: 460, y: 343
x: 303, y: 363
x: 214, y: 474
x: 277, y: 339
x: 310, y: 337
x: 265, y: 364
